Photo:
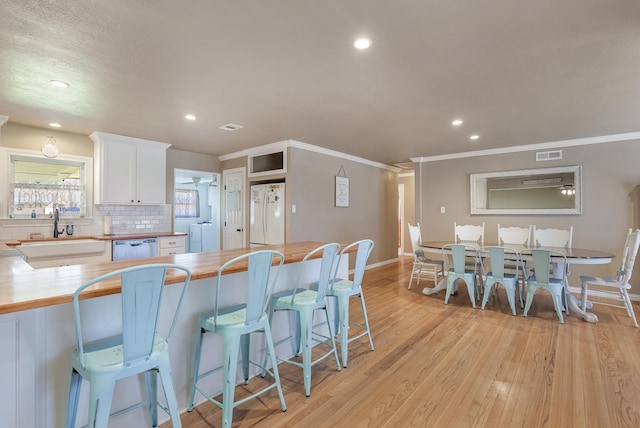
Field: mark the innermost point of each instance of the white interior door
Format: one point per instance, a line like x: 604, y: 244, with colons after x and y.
x: 233, y: 225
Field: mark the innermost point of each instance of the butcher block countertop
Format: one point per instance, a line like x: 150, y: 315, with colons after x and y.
x: 15, y: 243
x: 23, y: 288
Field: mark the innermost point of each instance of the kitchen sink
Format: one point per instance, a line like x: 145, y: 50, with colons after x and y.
x: 64, y: 248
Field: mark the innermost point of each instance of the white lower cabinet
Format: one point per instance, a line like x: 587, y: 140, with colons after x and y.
x: 170, y: 245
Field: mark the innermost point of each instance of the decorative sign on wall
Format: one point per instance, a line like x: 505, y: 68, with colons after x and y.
x: 342, y: 188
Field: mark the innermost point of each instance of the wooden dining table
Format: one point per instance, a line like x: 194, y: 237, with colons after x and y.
x: 575, y: 256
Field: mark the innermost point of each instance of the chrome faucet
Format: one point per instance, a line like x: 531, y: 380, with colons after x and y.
x: 56, y: 218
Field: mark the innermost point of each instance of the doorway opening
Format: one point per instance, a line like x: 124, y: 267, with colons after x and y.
x: 197, y: 203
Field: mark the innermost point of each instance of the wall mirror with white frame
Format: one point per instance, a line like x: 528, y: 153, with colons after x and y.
x: 556, y: 190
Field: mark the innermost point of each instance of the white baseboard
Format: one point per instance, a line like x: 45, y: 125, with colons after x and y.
x: 375, y: 265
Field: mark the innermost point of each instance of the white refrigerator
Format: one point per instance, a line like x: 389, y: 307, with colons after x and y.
x: 267, y: 214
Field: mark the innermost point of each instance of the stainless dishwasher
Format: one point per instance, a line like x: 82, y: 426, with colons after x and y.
x: 126, y: 249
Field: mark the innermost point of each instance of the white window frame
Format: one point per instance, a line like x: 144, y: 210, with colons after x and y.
x: 6, y: 179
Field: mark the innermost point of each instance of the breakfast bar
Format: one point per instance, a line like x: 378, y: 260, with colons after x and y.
x: 37, y: 329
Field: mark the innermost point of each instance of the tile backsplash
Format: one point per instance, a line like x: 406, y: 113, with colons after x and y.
x: 125, y: 220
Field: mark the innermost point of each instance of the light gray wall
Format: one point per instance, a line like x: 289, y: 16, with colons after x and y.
x: 409, y: 209
x: 610, y: 174
x: 372, y: 211
x: 26, y: 137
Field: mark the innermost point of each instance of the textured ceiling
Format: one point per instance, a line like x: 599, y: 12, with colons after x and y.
x: 517, y: 72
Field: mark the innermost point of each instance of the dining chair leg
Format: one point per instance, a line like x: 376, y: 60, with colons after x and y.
x: 488, y: 287
x: 530, y: 293
x: 627, y: 303
x: 472, y: 289
x: 557, y: 302
x: 512, y: 299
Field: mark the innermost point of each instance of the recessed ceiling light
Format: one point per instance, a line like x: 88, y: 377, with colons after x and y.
x: 54, y: 125
x: 474, y: 137
x: 231, y: 127
x: 457, y: 122
x: 59, y: 84
x: 362, y: 43
x: 189, y: 117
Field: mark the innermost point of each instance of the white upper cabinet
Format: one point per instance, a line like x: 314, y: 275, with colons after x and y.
x: 128, y: 170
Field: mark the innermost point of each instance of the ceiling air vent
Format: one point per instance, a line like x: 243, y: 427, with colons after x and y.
x: 231, y: 127
x: 550, y: 155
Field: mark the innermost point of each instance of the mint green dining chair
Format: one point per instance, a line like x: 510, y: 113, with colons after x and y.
x: 455, y: 258
x: 137, y: 349
x: 493, y: 261
x: 307, y: 297
x: 343, y: 290
x: 543, y: 266
x: 235, y: 323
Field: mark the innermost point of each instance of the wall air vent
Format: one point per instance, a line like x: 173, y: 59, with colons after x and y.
x: 230, y: 127
x: 550, y: 155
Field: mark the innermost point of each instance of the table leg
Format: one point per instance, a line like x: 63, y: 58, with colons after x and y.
x: 575, y: 306
x: 440, y: 286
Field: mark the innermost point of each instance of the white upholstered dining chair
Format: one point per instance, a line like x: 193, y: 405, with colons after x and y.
x: 423, y: 267
x: 514, y: 235
x: 468, y: 233
x: 616, y: 288
x: 560, y: 238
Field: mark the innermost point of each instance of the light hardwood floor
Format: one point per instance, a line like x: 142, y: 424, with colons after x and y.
x: 438, y: 365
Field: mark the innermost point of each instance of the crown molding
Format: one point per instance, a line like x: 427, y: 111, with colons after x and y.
x: 280, y: 145
x: 98, y: 136
x: 529, y: 147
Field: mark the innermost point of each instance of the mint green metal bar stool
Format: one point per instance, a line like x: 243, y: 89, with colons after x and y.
x: 343, y: 290
x: 138, y: 349
x: 304, y: 301
x: 235, y: 323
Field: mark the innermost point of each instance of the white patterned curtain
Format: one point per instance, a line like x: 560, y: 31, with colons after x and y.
x: 186, y: 203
